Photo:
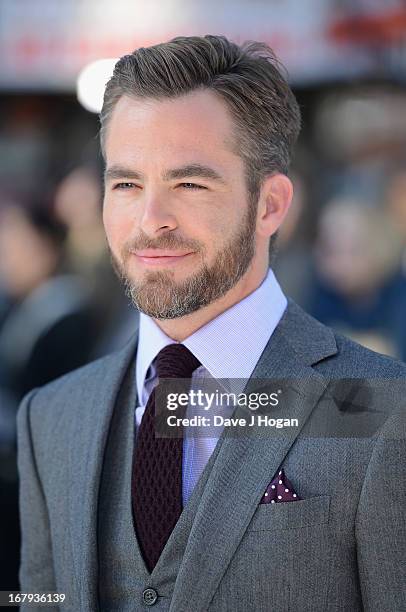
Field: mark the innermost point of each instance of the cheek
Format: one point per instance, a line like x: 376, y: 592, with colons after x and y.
x: 213, y: 223
x: 219, y: 229
x: 117, y: 225
x: 208, y: 231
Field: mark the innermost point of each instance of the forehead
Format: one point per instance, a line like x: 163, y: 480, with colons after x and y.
x: 197, y: 124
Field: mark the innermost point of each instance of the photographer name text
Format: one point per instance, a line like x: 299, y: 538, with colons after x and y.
x: 220, y: 421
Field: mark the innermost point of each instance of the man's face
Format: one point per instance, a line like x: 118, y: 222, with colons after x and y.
x: 178, y: 219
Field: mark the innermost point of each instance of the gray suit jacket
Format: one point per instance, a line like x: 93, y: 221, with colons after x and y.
x: 342, y: 546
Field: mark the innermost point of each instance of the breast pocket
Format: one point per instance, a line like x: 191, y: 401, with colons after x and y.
x: 291, y: 515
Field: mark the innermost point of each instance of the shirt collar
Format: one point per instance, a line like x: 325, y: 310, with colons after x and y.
x: 230, y: 345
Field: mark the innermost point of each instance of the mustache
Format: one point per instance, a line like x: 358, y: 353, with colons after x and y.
x: 166, y: 241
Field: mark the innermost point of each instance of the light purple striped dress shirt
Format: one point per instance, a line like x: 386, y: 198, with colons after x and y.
x: 228, y: 347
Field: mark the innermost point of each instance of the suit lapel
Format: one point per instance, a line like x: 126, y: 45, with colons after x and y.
x: 88, y: 443
x: 245, y: 464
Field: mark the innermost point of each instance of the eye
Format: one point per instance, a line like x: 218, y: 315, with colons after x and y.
x: 192, y: 186
x: 124, y: 186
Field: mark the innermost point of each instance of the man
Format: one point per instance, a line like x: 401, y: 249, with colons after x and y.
x: 197, y: 135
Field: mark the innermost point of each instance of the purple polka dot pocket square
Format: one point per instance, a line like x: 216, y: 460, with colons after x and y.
x: 279, y: 490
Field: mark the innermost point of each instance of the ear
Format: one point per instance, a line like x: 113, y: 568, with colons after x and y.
x: 274, y: 201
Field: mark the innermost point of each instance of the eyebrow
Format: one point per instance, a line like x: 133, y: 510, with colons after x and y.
x: 187, y: 171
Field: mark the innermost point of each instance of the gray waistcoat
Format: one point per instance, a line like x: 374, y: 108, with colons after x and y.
x: 123, y: 576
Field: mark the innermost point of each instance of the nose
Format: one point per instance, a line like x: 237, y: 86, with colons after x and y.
x: 156, y: 216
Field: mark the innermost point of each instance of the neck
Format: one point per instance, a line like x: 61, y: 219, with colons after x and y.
x: 181, y: 328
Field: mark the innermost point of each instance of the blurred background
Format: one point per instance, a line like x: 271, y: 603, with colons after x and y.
x: 342, y: 250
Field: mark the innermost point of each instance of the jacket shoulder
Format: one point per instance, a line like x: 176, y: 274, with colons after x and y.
x: 78, y: 387
x: 353, y: 360
x: 331, y: 353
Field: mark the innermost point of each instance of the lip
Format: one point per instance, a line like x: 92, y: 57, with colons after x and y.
x: 160, y: 253
x: 156, y: 257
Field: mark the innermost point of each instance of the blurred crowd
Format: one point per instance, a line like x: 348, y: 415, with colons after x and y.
x: 341, y: 253
x: 60, y: 307
x: 343, y: 248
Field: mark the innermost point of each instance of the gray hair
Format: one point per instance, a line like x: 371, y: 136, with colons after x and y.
x: 249, y: 79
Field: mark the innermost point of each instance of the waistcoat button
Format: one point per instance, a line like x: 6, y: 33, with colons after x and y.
x: 149, y: 596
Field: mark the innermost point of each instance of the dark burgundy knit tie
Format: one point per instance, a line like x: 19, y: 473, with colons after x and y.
x: 157, y: 465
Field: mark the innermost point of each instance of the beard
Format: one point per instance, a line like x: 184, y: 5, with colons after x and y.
x: 161, y: 297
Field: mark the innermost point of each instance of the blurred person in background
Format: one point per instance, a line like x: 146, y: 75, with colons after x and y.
x: 293, y: 261
x: 46, y: 330
x: 359, y: 287
x: 78, y: 204
x: 49, y: 328
x: 395, y: 205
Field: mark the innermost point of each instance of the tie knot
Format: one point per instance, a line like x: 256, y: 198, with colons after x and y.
x: 176, y: 361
